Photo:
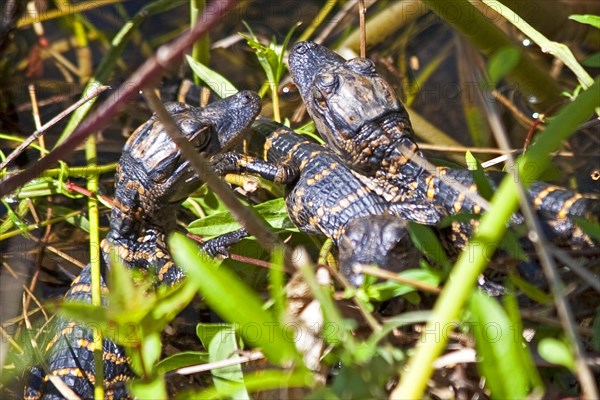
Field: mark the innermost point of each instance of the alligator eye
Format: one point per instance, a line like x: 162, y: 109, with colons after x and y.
x: 326, y: 82
x: 302, y: 47
x: 196, y: 133
x: 362, y: 66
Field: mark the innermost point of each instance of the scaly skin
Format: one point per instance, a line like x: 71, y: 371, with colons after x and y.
x: 358, y: 114
x: 152, y: 181
x: 323, y: 196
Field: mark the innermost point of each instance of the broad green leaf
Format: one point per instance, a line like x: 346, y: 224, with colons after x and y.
x: 592, y: 61
x: 593, y: 20
x: 273, y: 211
x: 390, y: 289
x: 310, y: 130
x: 181, y: 360
x: 556, y: 352
x: 150, y: 350
x: 220, y: 341
x: 501, y: 63
x: 516, y: 325
x: 267, y: 57
x: 277, y: 283
x: 408, y: 318
x: 511, y: 245
x: 484, y: 188
x: 244, y: 307
x: 258, y: 381
x: 149, y: 389
x: 498, y: 349
x: 530, y: 290
x: 79, y: 220
x: 365, y: 380
x: 281, y: 67
x: 427, y: 242
x: 589, y: 227
x: 215, y: 81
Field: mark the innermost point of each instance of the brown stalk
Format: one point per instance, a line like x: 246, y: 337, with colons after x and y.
x: 147, y: 73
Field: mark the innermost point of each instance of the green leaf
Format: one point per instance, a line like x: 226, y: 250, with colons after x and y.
x: 427, y: 242
x: 499, y: 349
x: 593, y: 20
x: 150, y: 350
x: 510, y: 243
x: 556, y: 352
x: 390, y: 289
x: 258, y: 327
x: 273, y: 211
x: 591, y: 228
x: 215, y: 81
x: 530, y: 290
x: 408, y: 318
x: 181, y: 360
x: 516, y: 326
x: 220, y: 341
x: 281, y: 63
x: 501, y: 63
x: 364, y: 380
x: 484, y: 188
x: 267, y: 57
x: 592, y: 61
x: 149, y: 389
x: 277, y: 283
x: 258, y: 381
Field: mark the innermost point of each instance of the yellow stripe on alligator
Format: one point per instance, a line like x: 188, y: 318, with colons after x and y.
x: 537, y: 202
x: 430, y: 182
x: 67, y: 330
x: 164, y: 269
x: 459, y: 202
x: 564, y: 210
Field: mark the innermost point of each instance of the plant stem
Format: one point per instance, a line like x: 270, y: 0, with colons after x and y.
x: 527, y: 75
x: 476, y: 255
x: 92, y: 185
x: 148, y: 72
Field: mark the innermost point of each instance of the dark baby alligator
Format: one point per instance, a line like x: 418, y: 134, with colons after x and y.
x: 359, y: 115
x: 152, y: 181
x: 323, y: 196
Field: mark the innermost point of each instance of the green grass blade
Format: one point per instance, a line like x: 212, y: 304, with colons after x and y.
x: 215, y: 81
x: 109, y: 61
x: 261, y: 380
x: 558, y: 50
x: 234, y: 301
x: 473, y: 259
x: 499, y: 349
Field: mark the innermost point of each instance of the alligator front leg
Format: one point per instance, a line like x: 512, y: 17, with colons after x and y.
x: 232, y: 162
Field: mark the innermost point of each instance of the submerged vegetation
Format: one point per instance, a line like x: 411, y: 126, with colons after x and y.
x: 512, y: 86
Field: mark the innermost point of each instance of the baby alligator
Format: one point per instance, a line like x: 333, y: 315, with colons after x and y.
x: 323, y: 195
x: 358, y: 114
x: 152, y: 181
